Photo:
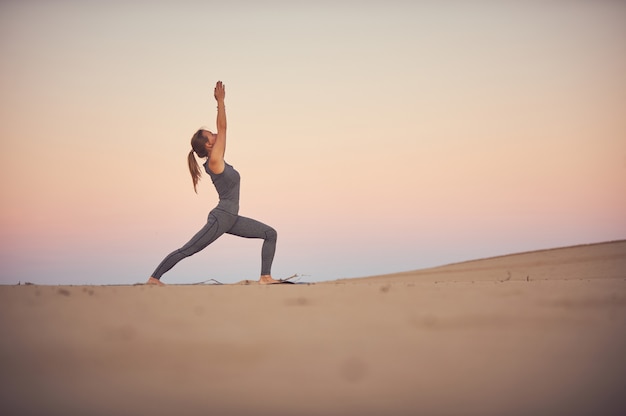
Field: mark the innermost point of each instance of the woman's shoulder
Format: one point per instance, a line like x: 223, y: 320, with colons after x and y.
x: 226, y: 167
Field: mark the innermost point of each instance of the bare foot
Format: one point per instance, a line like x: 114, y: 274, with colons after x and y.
x: 267, y: 280
x: 155, y: 282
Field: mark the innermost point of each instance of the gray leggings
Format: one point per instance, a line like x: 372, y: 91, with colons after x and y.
x: 218, y: 223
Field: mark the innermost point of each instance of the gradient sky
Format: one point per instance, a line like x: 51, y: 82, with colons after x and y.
x: 375, y: 136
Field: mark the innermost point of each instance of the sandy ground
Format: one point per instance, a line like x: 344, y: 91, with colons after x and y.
x: 539, y: 333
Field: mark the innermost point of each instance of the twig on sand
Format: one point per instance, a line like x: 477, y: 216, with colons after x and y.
x: 248, y: 282
x: 214, y: 282
x: 289, y: 278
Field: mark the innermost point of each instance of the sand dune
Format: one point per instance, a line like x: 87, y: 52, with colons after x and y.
x: 592, y: 261
x: 539, y: 333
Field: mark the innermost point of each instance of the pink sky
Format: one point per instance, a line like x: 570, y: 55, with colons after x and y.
x: 375, y: 139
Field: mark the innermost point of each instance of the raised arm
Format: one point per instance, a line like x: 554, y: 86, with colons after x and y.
x: 216, y: 160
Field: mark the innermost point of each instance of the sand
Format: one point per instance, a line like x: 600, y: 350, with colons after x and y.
x: 540, y: 333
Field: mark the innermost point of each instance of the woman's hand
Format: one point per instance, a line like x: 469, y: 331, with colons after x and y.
x: 220, y: 92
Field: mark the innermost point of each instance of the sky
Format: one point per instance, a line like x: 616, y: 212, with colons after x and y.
x: 374, y: 136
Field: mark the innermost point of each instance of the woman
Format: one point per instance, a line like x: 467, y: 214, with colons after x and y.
x: 224, y: 217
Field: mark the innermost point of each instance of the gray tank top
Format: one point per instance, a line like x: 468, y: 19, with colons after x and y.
x: 227, y: 186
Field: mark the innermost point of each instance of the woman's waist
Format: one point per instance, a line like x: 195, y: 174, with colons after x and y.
x: 228, y: 205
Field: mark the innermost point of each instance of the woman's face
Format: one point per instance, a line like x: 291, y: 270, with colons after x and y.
x: 211, y: 137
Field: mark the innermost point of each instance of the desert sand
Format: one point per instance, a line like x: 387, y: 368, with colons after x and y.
x: 540, y: 333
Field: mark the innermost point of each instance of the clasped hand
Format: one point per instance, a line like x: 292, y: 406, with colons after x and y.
x: 220, y: 91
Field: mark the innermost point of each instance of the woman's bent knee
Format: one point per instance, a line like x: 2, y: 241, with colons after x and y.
x: 271, y: 234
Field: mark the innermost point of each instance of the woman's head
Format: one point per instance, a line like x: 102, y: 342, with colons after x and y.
x: 202, y: 142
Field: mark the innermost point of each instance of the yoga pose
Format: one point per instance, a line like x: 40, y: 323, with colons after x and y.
x: 224, y: 218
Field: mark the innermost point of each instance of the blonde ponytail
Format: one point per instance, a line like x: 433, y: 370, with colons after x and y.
x: 198, y: 143
x: 194, y: 170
